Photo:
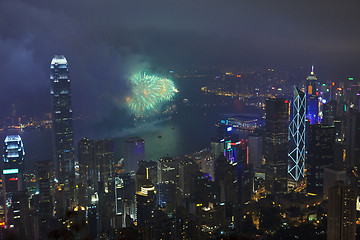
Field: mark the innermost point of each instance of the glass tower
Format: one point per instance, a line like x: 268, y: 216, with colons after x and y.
x: 297, y: 139
x: 62, y: 118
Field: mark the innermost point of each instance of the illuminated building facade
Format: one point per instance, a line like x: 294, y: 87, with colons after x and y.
x: 312, y: 98
x: 276, y: 144
x: 62, y: 118
x: 297, y: 139
x: 14, y: 154
x: 12, y: 178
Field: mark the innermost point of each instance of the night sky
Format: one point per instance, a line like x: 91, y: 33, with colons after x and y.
x: 105, y: 40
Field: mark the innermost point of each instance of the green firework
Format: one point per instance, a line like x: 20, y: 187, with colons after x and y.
x: 149, y: 92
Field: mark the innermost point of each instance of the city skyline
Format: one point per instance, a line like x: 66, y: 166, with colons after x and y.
x: 118, y: 193
x: 179, y: 120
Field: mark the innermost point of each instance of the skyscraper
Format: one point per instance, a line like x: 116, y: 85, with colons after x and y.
x: 62, y: 118
x: 125, y: 198
x: 312, y: 98
x: 341, y: 212
x: 320, y: 155
x: 352, y: 140
x: 297, y: 125
x: 187, y: 168
x: 44, y: 177
x: 14, y: 153
x: 145, y: 204
x: 207, y: 166
x: 226, y: 181
x: 12, y: 174
x: 256, y: 149
x: 166, y: 172
x: 104, y: 158
x: 135, y: 152
x: 217, y: 147
x: 87, y: 171
x: 276, y: 144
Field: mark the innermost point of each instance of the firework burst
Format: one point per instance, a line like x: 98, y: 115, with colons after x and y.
x: 149, y: 93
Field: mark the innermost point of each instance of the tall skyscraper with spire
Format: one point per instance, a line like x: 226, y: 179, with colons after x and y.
x: 312, y: 112
x: 62, y: 119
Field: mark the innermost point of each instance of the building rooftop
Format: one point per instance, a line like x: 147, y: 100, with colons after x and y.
x: 12, y: 138
x: 59, y: 59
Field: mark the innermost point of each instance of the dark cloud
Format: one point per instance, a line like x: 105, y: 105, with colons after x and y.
x: 105, y: 40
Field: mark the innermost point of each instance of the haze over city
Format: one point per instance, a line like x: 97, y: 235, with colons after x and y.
x: 106, y: 41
